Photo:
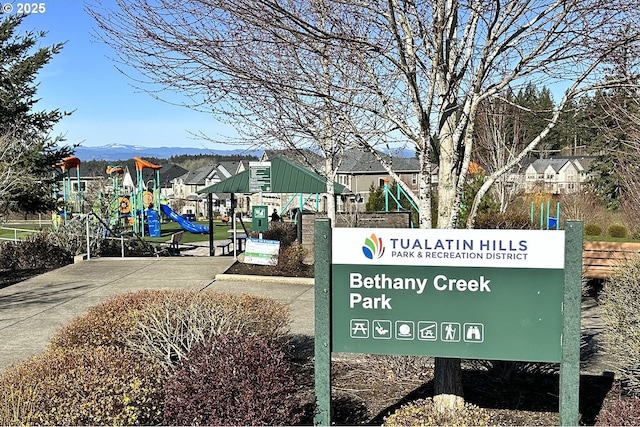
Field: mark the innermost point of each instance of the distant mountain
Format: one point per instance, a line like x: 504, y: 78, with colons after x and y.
x: 115, y: 152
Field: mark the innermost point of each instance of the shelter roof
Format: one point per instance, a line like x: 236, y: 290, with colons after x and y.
x: 286, y: 177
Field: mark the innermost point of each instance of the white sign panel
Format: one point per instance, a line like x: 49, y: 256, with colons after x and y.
x: 451, y: 248
x: 262, y: 251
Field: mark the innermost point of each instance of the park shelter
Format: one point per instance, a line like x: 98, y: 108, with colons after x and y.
x: 286, y: 177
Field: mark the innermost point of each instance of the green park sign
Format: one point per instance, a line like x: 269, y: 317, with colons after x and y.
x: 473, y: 294
x: 483, y: 294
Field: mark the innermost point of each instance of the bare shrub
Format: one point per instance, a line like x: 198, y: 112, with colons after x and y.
x: 620, y: 411
x: 167, y: 329
x: 232, y: 379
x: 582, y: 207
x: 87, y: 386
x: 108, y: 323
x: 505, y: 370
x: 508, y: 221
x: 164, y: 325
x: 291, y: 260
x: 284, y: 232
x: 621, y: 317
x: 400, y: 367
x: 34, y: 252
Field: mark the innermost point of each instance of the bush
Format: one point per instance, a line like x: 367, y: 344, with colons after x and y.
x: 165, y: 324
x: 35, y: 252
x: 617, y: 230
x: 89, y: 386
x: 233, y: 379
x: 621, y: 318
x: 620, y: 411
x: 503, y: 221
x: 284, y: 232
x: 592, y: 230
x: 424, y: 413
x: 291, y: 260
x: 167, y: 330
x: 108, y: 323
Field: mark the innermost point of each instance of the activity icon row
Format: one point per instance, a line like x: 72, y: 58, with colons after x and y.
x: 422, y: 330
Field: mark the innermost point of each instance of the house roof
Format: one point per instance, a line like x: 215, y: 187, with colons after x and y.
x: 541, y: 165
x: 286, y: 177
x: 303, y: 157
x: 169, y: 172
x: 364, y: 162
x: 200, y: 175
x: 557, y: 163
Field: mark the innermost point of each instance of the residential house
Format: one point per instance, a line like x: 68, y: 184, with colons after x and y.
x: 359, y: 170
x: 557, y: 175
x: 185, y: 198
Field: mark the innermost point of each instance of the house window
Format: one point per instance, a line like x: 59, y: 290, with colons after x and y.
x: 414, y: 178
x: 74, y: 186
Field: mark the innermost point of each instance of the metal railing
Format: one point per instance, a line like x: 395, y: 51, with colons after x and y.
x: 15, y: 237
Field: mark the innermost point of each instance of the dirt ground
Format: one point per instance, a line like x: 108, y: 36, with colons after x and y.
x: 367, y: 388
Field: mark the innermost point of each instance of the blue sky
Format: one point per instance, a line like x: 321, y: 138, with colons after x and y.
x: 107, y: 108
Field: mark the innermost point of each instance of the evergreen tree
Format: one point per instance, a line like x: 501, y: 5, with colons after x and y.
x: 487, y: 205
x: 375, y: 202
x: 28, y: 151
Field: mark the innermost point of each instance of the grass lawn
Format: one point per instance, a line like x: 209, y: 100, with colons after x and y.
x: 12, y: 232
x: 221, y: 232
x: 609, y: 239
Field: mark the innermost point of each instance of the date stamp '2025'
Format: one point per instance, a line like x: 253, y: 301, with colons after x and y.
x: 23, y: 8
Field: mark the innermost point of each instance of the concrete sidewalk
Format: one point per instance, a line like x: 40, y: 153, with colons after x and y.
x: 31, y: 312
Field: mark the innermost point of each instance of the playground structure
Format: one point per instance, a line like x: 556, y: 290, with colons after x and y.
x: 145, y: 200
x: 70, y: 201
x: 185, y: 224
x: 547, y: 222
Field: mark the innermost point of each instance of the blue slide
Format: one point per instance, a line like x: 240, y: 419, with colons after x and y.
x: 187, y: 225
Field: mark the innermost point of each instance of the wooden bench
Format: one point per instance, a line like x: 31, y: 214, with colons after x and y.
x: 599, y: 259
x: 174, y: 243
x: 224, y: 246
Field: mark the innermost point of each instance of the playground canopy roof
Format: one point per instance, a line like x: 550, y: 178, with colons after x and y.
x: 286, y: 177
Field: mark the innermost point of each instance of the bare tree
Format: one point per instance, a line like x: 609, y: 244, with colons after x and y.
x: 334, y: 73
x: 498, y: 141
x: 13, y: 175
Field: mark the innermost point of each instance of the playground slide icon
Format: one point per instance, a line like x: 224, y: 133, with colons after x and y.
x: 187, y: 225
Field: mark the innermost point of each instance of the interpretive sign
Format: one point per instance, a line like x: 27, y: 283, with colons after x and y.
x: 259, y: 177
x: 486, y: 294
x: 262, y: 251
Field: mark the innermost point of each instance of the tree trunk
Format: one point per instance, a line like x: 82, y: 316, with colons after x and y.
x: 447, y: 383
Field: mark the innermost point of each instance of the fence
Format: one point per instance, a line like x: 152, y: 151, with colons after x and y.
x: 600, y: 258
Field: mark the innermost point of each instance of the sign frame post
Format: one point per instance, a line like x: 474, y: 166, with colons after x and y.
x: 570, y: 365
x: 322, y: 340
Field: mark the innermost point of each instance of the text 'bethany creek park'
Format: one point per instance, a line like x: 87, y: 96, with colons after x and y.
x: 418, y: 285
x: 460, y: 249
